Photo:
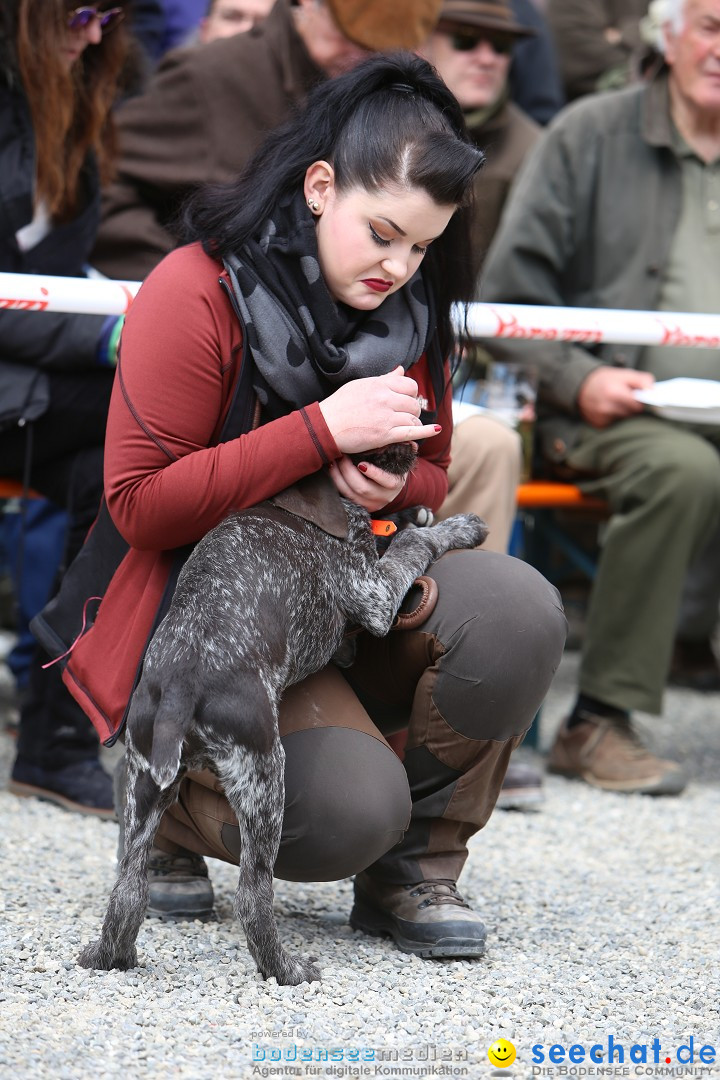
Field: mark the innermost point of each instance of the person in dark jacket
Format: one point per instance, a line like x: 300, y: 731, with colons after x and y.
x: 535, y: 82
x: 58, y: 76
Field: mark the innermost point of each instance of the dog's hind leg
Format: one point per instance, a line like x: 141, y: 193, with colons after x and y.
x: 145, y: 805
x: 254, y: 786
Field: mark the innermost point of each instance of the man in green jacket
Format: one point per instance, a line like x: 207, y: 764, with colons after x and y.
x: 619, y: 207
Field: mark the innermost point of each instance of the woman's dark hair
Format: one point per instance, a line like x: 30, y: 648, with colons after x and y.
x: 390, y: 122
x: 70, y: 109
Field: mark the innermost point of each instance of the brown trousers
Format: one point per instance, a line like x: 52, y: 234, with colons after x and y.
x: 467, y: 685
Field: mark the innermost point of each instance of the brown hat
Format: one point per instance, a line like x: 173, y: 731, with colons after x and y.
x: 386, y: 25
x: 493, y: 15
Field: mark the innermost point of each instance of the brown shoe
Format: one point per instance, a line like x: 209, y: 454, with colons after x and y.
x: 521, y: 788
x: 606, y: 752
x: 428, y: 918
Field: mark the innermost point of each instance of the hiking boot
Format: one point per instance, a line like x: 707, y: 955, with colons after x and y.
x: 83, y: 786
x: 521, y: 789
x: 605, y: 752
x: 429, y: 918
x: 694, y: 666
x: 179, y: 886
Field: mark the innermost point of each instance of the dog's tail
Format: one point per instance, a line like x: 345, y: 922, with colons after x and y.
x: 160, y: 718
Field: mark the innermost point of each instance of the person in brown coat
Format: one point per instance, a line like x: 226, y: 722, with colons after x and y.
x: 207, y: 109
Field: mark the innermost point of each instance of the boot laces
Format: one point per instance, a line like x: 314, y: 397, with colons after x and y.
x: 438, y: 891
x: 162, y: 864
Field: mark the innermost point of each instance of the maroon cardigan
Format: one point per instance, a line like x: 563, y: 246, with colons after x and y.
x: 168, y: 480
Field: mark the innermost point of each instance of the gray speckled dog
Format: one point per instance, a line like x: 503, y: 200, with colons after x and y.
x: 263, y: 601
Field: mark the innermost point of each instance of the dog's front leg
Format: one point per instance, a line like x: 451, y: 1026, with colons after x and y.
x: 375, y: 596
x: 145, y: 805
x: 253, y: 781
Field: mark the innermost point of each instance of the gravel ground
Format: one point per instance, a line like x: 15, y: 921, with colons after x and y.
x: 602, y: 915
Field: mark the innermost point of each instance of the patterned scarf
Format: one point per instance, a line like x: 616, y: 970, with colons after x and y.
x: 304, y: 344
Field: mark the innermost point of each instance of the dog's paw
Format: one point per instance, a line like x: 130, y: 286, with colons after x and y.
x: 463, y: 530
x: 291, y: 971
x: 100, y: 958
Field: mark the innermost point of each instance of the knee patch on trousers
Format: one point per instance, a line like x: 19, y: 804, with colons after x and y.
x: 347, y: 802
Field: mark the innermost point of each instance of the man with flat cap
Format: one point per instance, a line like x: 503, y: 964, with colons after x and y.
x: 206, y: 109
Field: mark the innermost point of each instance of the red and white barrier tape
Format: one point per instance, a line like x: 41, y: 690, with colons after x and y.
x: 88, y: 296
x: 587, y: 326
x: 593, y: 326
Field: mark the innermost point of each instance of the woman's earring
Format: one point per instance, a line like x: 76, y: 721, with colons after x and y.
x: 314, y: 206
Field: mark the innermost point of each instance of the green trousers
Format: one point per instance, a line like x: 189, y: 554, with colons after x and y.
x: 662, y: 481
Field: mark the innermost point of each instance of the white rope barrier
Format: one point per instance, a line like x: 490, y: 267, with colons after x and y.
x: 87, y: 296
x: 588, y: 326
x: 593, y: 326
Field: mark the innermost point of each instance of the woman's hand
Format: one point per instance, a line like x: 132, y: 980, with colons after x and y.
x: 365, y: 483
x: 368, y: 413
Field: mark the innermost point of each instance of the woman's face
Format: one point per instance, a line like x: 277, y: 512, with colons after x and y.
x: 370, y: 244
x: 76, y: 40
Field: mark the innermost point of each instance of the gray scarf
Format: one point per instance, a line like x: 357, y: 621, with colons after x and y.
x: 305, y: 345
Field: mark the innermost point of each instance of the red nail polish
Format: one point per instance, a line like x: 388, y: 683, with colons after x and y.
x: 362, y: 467
x: 438, y: 427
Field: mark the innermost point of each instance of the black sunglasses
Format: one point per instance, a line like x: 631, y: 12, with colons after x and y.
x: 465, y: 42
x: 83, y: 16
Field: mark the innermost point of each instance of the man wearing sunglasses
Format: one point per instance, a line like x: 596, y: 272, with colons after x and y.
x: 472, y: 50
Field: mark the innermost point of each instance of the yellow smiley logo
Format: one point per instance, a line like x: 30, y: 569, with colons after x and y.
x: 501, y: 1053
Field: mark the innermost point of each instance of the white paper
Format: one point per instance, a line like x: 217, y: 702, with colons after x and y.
x: 686, y: 400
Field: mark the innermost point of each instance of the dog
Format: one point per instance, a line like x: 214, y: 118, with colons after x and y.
x: 263, y: 601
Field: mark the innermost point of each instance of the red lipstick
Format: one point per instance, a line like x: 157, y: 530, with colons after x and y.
x: 377, y: 284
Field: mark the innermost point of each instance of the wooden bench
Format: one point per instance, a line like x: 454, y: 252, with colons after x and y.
x: 537, y: 529
x: 539, y: 534
x: 551, y: 494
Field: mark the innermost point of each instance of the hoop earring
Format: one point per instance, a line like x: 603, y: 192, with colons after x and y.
x: 314, y: 206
